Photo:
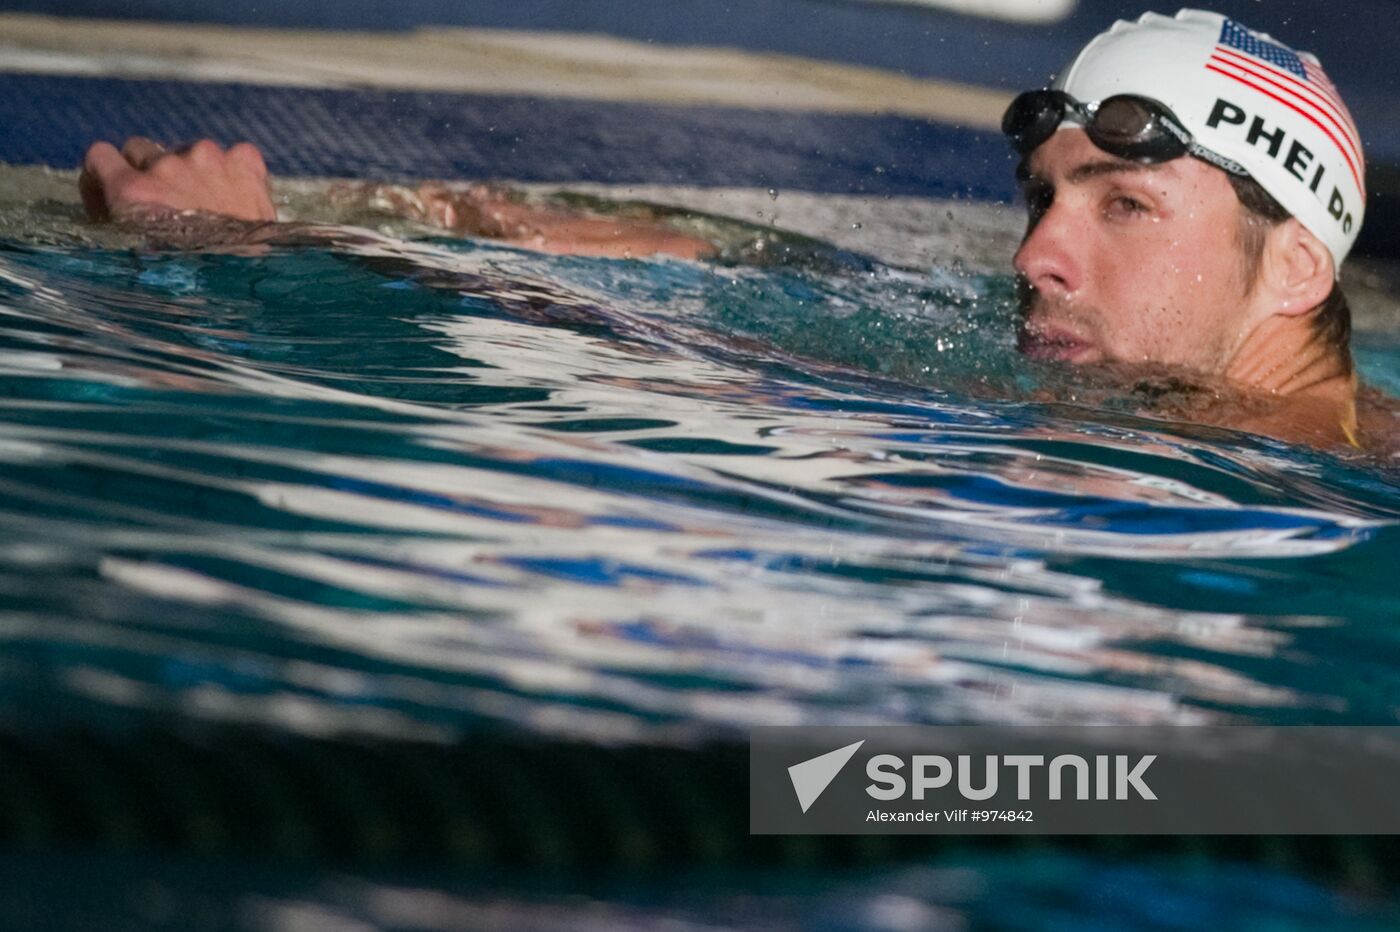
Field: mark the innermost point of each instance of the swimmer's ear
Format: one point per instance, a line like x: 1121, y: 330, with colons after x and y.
x: 1297, y: 271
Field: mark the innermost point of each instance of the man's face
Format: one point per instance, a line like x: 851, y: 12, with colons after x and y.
x: 1138, y: 263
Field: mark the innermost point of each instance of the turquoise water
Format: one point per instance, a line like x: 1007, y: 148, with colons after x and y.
x: 391, y: 491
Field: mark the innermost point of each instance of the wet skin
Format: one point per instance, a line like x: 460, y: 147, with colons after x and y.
x: 143, y: 178
x: 1122, y: 265
x: 1129, y: 264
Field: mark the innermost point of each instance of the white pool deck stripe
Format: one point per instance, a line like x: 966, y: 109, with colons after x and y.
x: 1015, y: 11
x: 486, y: 61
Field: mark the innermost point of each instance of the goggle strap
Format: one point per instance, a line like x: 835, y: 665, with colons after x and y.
x: 1219, y: 161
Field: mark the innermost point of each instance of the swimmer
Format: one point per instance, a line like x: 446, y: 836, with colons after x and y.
x: 1193, y: 188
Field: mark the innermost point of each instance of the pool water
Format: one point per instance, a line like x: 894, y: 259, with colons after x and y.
x: 396, y: 487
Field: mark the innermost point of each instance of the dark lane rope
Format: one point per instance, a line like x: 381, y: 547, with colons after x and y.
x: 497, y: 801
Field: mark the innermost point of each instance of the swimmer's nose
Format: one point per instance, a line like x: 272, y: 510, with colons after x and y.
x: 1046, y: 260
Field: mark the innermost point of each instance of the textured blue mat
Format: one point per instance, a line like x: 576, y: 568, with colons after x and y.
x: 385, y: 134
x: 1353, y: 37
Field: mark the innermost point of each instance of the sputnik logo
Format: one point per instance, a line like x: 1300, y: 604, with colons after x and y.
x: 811, y: 777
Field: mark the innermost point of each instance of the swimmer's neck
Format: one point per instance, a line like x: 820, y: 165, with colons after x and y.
x: 1285, y: 358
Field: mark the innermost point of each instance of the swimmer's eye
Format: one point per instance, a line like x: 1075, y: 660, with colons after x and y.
x: 1126, y: 206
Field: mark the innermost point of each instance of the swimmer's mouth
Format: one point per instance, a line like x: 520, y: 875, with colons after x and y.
x: 1052, y: 344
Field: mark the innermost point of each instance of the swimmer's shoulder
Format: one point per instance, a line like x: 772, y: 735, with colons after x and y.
x: 1378, y: 420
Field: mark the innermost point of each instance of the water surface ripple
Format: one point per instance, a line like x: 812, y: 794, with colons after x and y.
x: 412, y: 488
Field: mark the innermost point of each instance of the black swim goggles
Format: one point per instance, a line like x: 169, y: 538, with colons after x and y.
x: 1130, y: 127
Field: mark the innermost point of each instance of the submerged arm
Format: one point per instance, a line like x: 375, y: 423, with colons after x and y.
x: 173, y: 195
x: 496, y: 213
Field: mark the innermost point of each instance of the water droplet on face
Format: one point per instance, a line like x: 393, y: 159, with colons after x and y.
x: 857, y: 226
x: 773, y: 193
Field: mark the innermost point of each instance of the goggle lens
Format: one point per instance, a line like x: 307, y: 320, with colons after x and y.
x: 1033, y: 118
x: 1124, y: 125
x: 1123, y: 120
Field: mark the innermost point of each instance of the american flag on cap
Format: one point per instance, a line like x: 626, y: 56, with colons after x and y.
x: 1295, y: 81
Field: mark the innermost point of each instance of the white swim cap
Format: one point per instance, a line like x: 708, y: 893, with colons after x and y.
x: 1246, y: 97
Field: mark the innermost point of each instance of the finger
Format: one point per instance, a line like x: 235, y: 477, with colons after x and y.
x: 141, y: 152
x: 249, y: 158
x: 205, y: 152
x: 103, y: 160
x: 103, y: 167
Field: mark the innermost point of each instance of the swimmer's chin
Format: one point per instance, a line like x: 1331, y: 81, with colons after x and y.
x: 1054, y: 344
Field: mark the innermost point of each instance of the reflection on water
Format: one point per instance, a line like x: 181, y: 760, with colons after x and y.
x: 569, y: 494
x: 403, y: 490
